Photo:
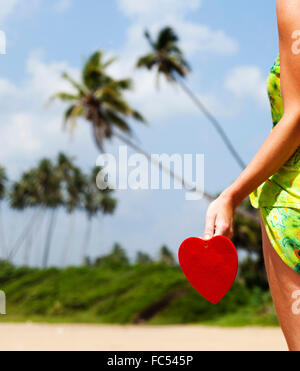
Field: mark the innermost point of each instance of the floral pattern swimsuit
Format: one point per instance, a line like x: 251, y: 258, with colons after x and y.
x: 279, y: 197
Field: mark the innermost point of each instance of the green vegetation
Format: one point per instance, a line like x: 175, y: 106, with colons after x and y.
x: 117, y: 293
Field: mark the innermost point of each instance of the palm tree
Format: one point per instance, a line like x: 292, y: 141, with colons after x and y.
x: 51, y: 198
x: 23, y: 194
x: 98, y: 98
x: 143, y: 258
x: 73, y: 184
x: 166, y: 256
x: 71, y: 190
x: 166, y: 56
x: 116, y: 259
x: 168, y: 59
x: 3, y: 183
x: 51, y: 185
x: 39, y: 188
x: 95, y: 202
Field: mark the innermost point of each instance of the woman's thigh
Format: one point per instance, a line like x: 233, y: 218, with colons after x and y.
x: 285, y: 289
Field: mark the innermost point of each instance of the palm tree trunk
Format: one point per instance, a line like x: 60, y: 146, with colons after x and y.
x: 66, y: 247
x: 165, y: 169
x: 213, y: 121
x: 38, y: 237
x: 185, y: 184
x: 19, y: 242
x: 49, y: 237
x: 3, y: 242
x: 87, y: 239
x: 27, y: 249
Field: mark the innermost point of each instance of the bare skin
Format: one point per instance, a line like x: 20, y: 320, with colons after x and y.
x: 279, y: 147
x: 283, y: 283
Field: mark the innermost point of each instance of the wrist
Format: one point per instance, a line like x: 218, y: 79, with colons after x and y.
x: 230, y: 197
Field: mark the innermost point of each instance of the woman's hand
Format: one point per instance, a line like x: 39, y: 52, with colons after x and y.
x: 219, y: 219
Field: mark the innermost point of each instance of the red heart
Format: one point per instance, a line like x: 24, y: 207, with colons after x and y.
x: 210, y: 266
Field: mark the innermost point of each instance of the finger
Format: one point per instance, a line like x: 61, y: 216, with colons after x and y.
x: 223, y: 229
x: 209, y: 227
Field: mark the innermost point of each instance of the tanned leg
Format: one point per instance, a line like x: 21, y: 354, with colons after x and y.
x: 285, y: 289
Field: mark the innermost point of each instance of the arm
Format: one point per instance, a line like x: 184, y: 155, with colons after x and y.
x: 282, y: 142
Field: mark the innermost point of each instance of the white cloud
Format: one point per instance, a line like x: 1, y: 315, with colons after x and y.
x: 17, y: 8
x: 194, y: 37
x: 152, y: 100
x: 6, y: 88
x: 247, y: 82
x: 29, y: 129
x: 62, y: 6
x: 20, y: 134
x: 169, y: 101
x: 155, y: 8
x: 6, y: 8
x: 45, y: 78
x: 198, y: 38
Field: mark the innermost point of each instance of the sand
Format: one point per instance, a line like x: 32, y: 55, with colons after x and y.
x: 29, y: 337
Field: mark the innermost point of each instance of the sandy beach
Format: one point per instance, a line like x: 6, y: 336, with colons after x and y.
x: 30, y: 337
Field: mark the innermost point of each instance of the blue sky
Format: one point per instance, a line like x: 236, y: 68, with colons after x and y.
x: 230, y: 45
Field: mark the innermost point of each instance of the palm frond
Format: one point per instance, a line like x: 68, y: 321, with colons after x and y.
x: 72, y: 114
x: 99, y: 135
x: 175, y: 65
x: 118, y: 121
x: 3, y: 181
x: 166, y: 36
x: 93, y: 74
x: 119, y: 105
x: 104, y: 92
x: 65, y: 97
x: 124, y: 84
x: 109, y: 62
x: 68, y: 114
x: 77, y: 112
x: 79, y: 87
x: 167, y: 56
x: 149, y: 38
x: 139, y: 117
x: 148, y: 61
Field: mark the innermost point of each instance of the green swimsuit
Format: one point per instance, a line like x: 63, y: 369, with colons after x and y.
x: 279, y: 197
